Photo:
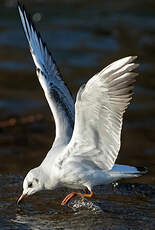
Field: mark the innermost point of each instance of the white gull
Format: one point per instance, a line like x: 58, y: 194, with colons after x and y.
x: 88, y: 133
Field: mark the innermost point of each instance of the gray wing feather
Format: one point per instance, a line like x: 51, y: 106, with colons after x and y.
x: 56, y: 92
x: 99, y: 109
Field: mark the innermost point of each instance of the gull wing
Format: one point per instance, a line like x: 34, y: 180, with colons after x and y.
x: 56, y: 92
x: 99, y: 109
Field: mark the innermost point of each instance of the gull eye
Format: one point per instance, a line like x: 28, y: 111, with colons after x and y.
x: 30, y: 185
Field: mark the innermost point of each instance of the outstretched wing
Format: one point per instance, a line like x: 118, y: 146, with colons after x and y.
x: 99, y: 109
x: 56, y: 92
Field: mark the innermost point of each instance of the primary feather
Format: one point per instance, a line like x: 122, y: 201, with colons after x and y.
x: 56, y: 92
x: 99, y: 109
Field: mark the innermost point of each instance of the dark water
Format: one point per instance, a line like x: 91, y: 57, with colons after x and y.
x: 84, y: 36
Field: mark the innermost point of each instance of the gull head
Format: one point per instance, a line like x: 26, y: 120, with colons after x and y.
x: 32, y: 183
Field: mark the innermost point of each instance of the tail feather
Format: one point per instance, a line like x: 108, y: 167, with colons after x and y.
x: 141, y: 170
x: 124, y: 171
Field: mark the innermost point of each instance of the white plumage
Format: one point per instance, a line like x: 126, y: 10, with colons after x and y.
x: 83, y: 154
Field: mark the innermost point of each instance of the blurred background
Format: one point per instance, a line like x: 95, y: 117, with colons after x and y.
x: 84, y: 37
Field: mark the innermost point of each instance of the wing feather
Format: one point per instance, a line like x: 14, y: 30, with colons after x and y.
x: 99, y: 109
x: 56, y: 92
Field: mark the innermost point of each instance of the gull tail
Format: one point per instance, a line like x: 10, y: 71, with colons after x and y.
x: 125, y: 171
x: 141, y: 170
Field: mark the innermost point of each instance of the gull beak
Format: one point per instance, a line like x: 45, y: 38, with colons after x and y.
x: 21, y: 198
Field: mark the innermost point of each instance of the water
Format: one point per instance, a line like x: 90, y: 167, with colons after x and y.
x: 124, y: 206
x: 84, y: 38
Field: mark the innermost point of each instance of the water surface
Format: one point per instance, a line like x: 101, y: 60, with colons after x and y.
x: 84, y: 38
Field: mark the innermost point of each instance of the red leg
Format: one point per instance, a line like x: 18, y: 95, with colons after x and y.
x: 69, y: 196
x: 87, y: 194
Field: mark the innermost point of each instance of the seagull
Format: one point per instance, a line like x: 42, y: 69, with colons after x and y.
x: 88, y: 133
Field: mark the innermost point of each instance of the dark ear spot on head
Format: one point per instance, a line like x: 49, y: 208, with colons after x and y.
x: 36, y: 180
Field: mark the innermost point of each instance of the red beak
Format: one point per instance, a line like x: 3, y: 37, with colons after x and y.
x: 21, y: 198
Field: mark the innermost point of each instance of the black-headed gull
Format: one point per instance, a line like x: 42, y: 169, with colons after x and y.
x: 88, y: 133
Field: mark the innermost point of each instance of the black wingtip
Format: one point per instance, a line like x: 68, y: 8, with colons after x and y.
x: 142, y: 170
x: 20, y: 4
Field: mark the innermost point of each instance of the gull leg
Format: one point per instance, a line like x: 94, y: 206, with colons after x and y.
x: 69, y: 196
x: 86, y: 194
